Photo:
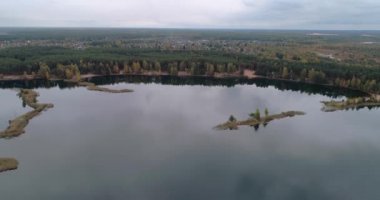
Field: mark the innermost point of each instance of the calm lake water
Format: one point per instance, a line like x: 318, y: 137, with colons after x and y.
x: 159, y: 143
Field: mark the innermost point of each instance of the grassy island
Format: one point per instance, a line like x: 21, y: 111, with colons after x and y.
x: 351, y: 103
x: 16, y: 126
x: 7, y: 164
x: 255, y: 120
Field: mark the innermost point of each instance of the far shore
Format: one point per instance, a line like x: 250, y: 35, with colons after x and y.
x: 249, y: 74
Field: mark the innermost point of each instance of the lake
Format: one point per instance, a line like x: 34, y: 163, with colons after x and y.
x: 159, y: 143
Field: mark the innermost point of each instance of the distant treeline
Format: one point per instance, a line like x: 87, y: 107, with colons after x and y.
x: 68, y: 63
x: 107, y: 34
x: 197, y: 80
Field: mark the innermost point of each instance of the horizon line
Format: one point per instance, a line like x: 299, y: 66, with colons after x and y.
x: 187, y: 28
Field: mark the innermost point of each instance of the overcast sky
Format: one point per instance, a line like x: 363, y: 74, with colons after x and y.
x: 245, y: 14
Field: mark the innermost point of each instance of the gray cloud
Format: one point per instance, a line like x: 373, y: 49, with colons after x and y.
x: 284, y: 14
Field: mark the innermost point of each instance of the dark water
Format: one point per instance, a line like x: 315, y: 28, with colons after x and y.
x: 158, y: 143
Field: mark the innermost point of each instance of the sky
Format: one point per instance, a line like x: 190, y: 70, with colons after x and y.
x: 236, y: 14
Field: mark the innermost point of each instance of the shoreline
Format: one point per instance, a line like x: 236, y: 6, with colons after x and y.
x: 248, y: 74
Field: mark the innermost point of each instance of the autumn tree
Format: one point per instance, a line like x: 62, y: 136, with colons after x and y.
x: 126, y: 68
x: 173, y: 69
x: 285, y: 73
x: 136, y: 67
x: 157, y: 66
x: 44, y: 71
x: 210, y: 69
x: 145, y: 65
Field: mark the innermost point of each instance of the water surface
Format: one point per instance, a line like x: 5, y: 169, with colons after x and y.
x: 158, y: 143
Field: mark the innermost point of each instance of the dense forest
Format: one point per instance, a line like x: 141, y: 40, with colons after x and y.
x: 68, y: 54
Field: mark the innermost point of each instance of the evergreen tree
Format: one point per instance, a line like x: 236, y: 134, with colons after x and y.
x: 257, y: 114
x: 266, y: 112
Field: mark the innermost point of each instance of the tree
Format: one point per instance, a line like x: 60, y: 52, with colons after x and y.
x: 157, y: 66
x: 210, y: 69
x: 370, y: 85
x: 221, y: 68
x: 252, y: 115
x: 182, y: 66
x: 303, y: 74
x: 279, y: 55
x: 77, y: 75
x: 25, y: 75
x: 136, y: 67
x: 44, y: 71
x: 126, y: 69
x: 266, y: 112
x: 337, y: 81
x: 194, y: 68
x: 60, y: 70
x: 172, y: 69
x: 145, y: 65
x: 316, y: 76
x: 68, y: 73
x: 285, y: 73
x: 232, y: 119
x: 231, y: 68
x: 311, y: 75
x: 257, y: 114
x: 115, y: 69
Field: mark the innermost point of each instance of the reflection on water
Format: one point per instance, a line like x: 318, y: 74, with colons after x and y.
x: 158, y: 143
x: 205, y: 81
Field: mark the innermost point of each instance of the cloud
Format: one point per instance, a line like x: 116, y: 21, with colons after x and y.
x: 288, y: 14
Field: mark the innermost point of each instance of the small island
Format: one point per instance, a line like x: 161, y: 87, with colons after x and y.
x: 7, y: 164
x: 93, y: 87
x: 255, y: 119
x: 351, y: 103
x: 16, y: 126
x: 29, y: 97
